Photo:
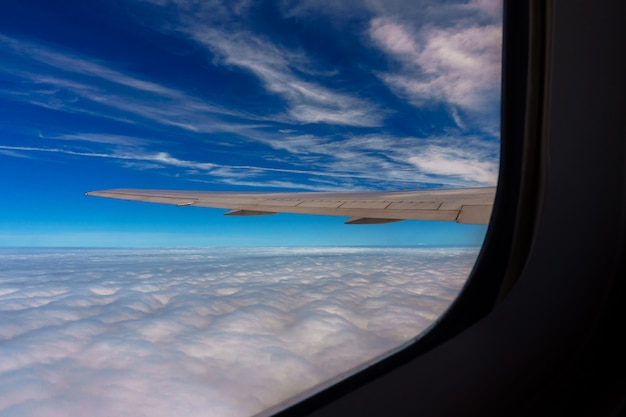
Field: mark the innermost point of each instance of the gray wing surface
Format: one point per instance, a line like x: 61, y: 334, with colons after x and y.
x: 468, y: 205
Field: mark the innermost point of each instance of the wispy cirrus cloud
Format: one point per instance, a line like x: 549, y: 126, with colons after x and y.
x: 13, y: 154
x: 453, y: 161
x: 278, y: 68
x: 76, y: 84
x: 229, y: 174
x: 491, y: 8
x: 440, y: 53
x: 358, y: 162
x: 118, y: 140
x: 455, y: 66
x: 456, y: 162
x: 307, y: 101
x: 242, y: 181
x: 308, y: 133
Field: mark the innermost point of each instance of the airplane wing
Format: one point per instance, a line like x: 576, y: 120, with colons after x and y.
x: 468, y: 205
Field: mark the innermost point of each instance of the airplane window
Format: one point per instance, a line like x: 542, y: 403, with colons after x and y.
x: 123, y: 308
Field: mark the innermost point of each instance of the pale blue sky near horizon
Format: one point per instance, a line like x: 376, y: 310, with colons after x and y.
x: 270, y: 95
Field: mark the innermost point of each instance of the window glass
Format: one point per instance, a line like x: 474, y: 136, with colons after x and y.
x: 123, y: 308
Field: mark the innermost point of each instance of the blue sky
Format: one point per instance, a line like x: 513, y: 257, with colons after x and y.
x: 240, y: 95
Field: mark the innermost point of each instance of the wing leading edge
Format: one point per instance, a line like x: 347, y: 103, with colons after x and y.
x: 468, y: 205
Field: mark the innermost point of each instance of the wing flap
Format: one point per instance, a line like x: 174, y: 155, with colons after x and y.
x: 475, y: 214
x: 365, y: 220
x: 248, y: 213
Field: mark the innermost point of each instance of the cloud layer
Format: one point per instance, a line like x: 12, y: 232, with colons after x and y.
x: 216, y: 331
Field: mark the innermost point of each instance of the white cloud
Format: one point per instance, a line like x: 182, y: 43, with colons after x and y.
x: 315, y: 186
x: 450, y: 53
x: 77, y: 84
x: 67, y: 62
x: 459, y: 162
x: 457, y: 65
x: 308, y: 102
x: 454, y: 161
x: 219, y: 330
x: 393, y: 37
x: 13, y: 154
x: 492, y: 8
x: 102, y: 91
x: 55, y: 150
x: 229, y: 172
x: 452, y: 66
x: 216, y: 25
x: 118, y: 140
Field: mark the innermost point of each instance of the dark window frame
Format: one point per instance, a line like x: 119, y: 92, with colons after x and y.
x: 537, y: 328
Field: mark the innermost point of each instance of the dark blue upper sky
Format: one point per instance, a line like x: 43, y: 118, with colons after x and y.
x: 240, y: 95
